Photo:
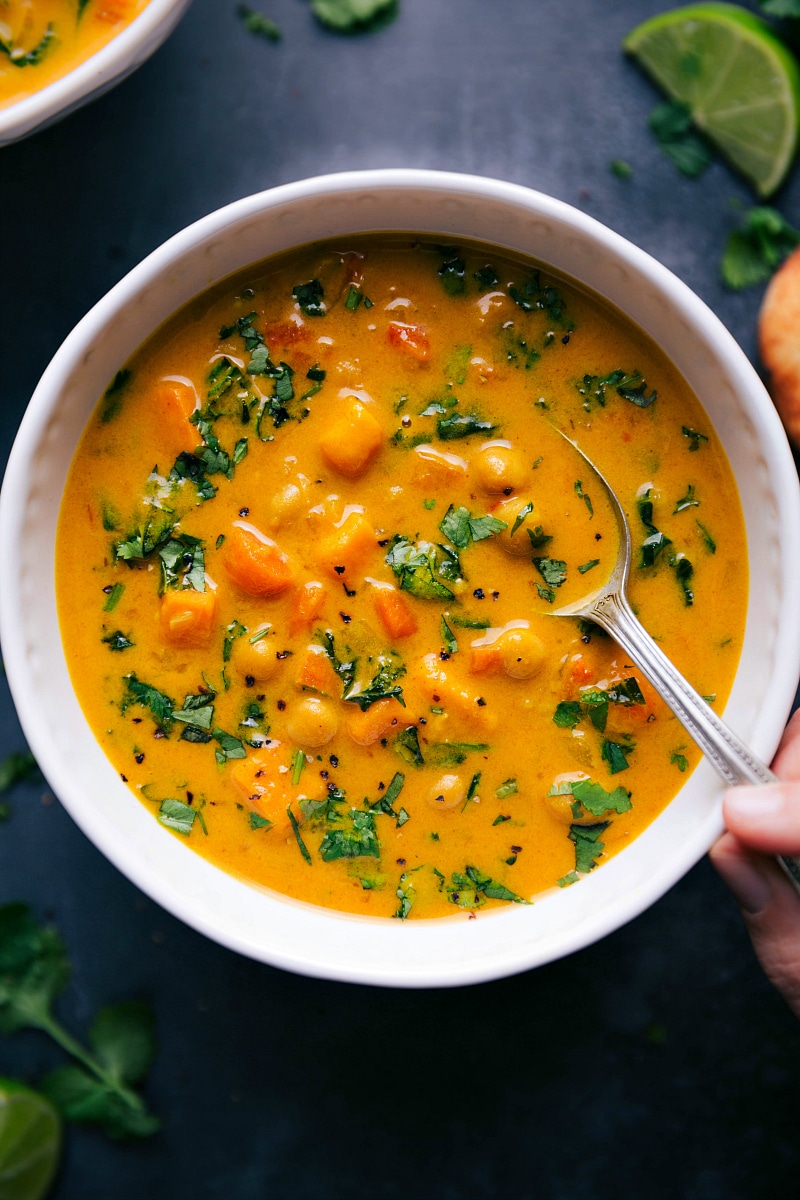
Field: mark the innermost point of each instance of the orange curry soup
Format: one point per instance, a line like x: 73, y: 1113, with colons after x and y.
x: 308, y: 556
x: 41, y: 40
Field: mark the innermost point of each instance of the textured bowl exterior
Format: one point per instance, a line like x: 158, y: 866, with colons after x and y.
x: 255, y: 921
x: 108, y: 67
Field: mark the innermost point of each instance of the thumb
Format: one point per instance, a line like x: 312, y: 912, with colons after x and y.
x: 765, y: 818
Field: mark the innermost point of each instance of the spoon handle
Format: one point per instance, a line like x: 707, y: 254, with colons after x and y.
x: 733, y: 760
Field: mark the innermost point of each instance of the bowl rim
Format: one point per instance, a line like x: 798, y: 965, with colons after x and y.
x: 149, y: 877
x: 126, y: 51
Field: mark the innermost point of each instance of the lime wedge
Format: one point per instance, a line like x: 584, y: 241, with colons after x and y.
x: 739, y: 81
x: 30, y: 1142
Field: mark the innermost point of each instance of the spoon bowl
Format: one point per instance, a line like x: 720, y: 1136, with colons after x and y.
x: 608, y: 607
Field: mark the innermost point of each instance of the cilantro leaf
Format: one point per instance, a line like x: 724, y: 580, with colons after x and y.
x: 359, y: 841
x: 16, y: 767
x: 536, y: 295
x: 311, y: 297
x: 354, y: 16
x: 588, y: 847
x: 422, y: 566
x: 256, y: 22
x: 754, y: 250
x: 552, y: 570
x: 461, y: 528
x: 461, y: 425
x: 33, y: 972
x: 671, y: 122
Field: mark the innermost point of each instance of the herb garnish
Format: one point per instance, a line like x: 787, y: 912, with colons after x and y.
x: 473, y: 889
x: 421, y: 567
x: 359, y: 841
x: 311, y: 298
x: 256, y: 22
x: 671, y: 122
x: 33, y: 972
x: 594, y: 703
x: 754, y: 250
x: 461, y: 528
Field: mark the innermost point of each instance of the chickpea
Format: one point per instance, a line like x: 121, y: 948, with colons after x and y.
x: 498, y: 467
x: 561, y: 806
x: 448, y: 792
x: 287, y: 503
x: 312, y: 722
x: 522, y: 653
x: 517, y: 544
x: 255, y: 659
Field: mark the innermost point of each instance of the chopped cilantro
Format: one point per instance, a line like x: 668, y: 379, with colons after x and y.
x: 535, y: 295
x: 256, y: 22
x: 114, y: 393
x: 552, y: 570
x: 406, y: 744
x: 461, y: 528
x: 708, y: 541
x: 177, y: 815
x: 520, y: 517
x: 506, y: 789
x: 117, y: 640
x: 259, y: 822
x: 422, y: 566
x: 448, y: 638
x: 588, y: 847
x: 593, y: 797
x: 452, y: 754
x: 354, y: 16
x: 620, y: 168
x: 302, y: 847
x: 473, y: 888
x: 581, y: 494
x: 683, y: 573
x: 694, y: 437
x: 680, y: 761
x: 486, y: 278
x: 615, y: 754
x: 754, y: 250
x: 113, y: 598
x: 17, y: 767
x: 588, y: 566
x: 462, y: 425
x: 687, y: 501
x: 451, y: 273
x: 539, y: 538
x: 671, y: 122
x: 406, y: 895
x: 359, y: 841
x: 655, y: 541
x: 311, y: 298
x: 229, y: 746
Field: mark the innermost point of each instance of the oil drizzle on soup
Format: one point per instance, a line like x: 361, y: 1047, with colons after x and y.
x: 307, y: 553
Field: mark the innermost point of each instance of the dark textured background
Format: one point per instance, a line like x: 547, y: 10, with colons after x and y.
x: 658, y: 1063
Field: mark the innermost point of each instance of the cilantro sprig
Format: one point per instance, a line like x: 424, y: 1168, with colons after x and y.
x: 98, y: 1087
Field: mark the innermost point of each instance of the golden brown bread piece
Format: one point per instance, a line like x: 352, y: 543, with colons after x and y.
x: 779, y: 342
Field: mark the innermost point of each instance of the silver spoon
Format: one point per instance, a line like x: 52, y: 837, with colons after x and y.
x: 608, y: 607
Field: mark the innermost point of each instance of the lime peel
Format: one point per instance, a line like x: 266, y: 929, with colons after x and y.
x: 30, y: 1142
x: 741, y: 84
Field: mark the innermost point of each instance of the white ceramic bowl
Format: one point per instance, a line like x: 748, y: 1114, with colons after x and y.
x: 284, y: 932
x: 109, y: 66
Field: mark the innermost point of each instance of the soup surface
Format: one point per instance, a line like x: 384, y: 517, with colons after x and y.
x: 41, y: 40
x: 308, y: 556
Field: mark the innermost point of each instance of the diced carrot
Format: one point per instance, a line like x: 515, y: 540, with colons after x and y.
x: 187, y: 617
x: 352, y: 441
x: 376, y: 721
x: 485, y: 657
x: 264, y: 788
x: 347, y: 547
x: 317, y: 674
x: 307, y: 606
x: 395, y: 612
x: 286, y: 333
x: 176, y: 402
x: 412, y: 339
x: 258, y: 566
x: 111, y: 12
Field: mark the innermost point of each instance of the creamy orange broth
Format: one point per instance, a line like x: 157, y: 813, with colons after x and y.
x: 344, y: 683
x: 41, y: 40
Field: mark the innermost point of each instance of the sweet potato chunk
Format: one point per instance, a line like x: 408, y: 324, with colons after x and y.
x: 395, y: 612
x: 347, y: 547
x: 307, y: 606
x: 376, y: 721
x: 176, y: 402
x: 317, y: 674
x: 257, y: 565
x: 187, y: 617
x: 266, y: 790
x: 352, y: 441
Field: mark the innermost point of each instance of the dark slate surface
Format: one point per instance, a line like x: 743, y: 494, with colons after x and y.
x: 658, y: 1063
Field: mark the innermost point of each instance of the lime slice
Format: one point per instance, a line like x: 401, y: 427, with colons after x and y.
x: 739, y: 81
x: 30, y: 1142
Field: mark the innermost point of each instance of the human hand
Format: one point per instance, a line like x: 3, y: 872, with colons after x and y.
x: 763, y: 821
